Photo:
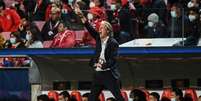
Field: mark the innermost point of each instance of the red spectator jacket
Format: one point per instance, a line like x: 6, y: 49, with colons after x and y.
x: 10, y: 21
x: 64, y: 39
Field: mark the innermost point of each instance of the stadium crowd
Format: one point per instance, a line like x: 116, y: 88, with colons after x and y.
x: 15, y: 62
x: 130, y: 19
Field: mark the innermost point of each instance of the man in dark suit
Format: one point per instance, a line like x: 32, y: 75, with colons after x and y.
x: 104, y: 63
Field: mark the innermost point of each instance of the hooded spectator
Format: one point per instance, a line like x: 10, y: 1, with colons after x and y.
x: 154, y: 27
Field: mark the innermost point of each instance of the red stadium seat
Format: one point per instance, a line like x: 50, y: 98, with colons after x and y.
x: 102, y: 97
x: 39, y: 24
x: 77, y: 95
x: 166, y: 93
x: 53, y: 95
x: 47, y: 44
x: 125, y: 96
x: 79, y: 35
x: 192, y: 93
x: 6, y: 35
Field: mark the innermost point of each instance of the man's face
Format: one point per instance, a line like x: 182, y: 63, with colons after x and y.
x: 84, y: 99
x: 152, y: 98
x: 103, y: 31
x: 54, y: 16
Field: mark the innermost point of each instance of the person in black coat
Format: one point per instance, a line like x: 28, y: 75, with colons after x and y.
x: 104, y: 62
x: 49, y: 29
x: 193, y: 34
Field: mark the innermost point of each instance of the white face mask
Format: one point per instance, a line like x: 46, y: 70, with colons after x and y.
x: 173, y: 14
x: 192, y: 17
x: 150, y: 24
x: 190, y: 4
x: 113, y: 7
x: 28, y: 37
x: 13, y: 40
x: 51, y: 1
x: 90, y: 16
x: 70, y: 2
x: 92, y: 4
x: 173, y: 99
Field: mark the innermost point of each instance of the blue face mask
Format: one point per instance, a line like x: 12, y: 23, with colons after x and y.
x: 70, y: 1
x: 113, y: 7
x: 12, y: 40
x: 173, y: 14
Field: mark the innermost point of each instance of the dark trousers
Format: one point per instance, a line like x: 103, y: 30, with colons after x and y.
x: 105, y: 79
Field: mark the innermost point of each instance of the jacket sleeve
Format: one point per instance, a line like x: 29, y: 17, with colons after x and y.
x: 92, y: 31
x: 68, y: 41
x: 16, y: 21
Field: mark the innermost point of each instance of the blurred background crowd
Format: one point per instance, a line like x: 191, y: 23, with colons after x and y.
x: 54, y: 24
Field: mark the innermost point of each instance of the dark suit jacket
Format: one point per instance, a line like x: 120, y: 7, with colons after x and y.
x: 111, y: 51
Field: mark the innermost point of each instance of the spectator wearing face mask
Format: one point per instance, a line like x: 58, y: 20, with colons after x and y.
x: 33, y: 38
x: 14, y: 41
x: 112, y: 14
x: 175, y: 24
x: 154, y: 27
x: 193, y: 34
x: 66, y: 10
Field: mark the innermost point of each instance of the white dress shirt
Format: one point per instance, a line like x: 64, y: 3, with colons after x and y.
x: 102, y: 54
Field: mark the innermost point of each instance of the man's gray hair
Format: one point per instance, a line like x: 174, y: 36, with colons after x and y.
x: 109, y: 27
